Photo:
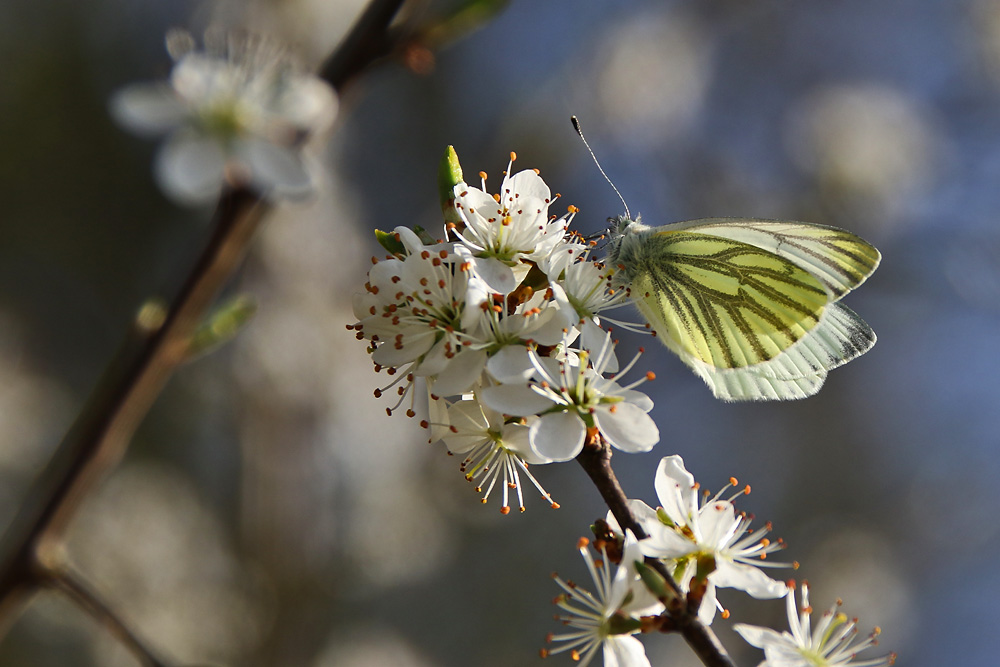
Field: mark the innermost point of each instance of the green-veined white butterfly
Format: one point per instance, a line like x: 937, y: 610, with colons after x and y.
x: 752, y: 306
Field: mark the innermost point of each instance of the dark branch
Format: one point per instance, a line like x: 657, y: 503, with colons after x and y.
x: 367, y: 42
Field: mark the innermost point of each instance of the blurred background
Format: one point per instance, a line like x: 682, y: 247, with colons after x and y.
x: 269, y: 513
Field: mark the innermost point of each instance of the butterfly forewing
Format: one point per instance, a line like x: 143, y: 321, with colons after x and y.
x: 839, y: 259
x: 724, y: 302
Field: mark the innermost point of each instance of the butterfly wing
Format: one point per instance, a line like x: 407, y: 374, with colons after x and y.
x: 837, y: 258
x: 750, y: 305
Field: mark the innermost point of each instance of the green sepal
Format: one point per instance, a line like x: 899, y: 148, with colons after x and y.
x: 706, y: 566
x: 389, y: 241
x: 449, y: 175
x: 468, y: 17
x: 654, y: 581
x: 620, y: 624
x: 222, y: 325
x: 423, y: 235
x: 661, y: 514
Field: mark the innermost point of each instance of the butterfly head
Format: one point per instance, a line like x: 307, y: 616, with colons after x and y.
x: 618, y: 228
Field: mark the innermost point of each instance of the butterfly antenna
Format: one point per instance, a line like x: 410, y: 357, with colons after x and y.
x: 579, y: 130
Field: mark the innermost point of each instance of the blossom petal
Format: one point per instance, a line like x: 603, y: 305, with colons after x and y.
x: 148, y: 109
x: 416, y: 340
x: 624, y: 651
x: 558, y: 436
x: 627, y: 427
x: 761, y: 637
x: 515, y: 399
x: 461, y: 373
x: 593, y: 337
x: 510, y: 365
x: 189, y: 168
x: 274, y: 166
x: 747, y: 578
x: 497, y: 275
x: 675, y: 489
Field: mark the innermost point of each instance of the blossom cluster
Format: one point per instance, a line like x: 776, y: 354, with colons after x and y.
x: 704, y: 544
x: 237, y: 113
x: 501, y: 318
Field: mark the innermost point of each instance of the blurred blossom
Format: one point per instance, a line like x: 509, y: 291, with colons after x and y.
x: 655, y: 72
x: 158, y: 555
x: 309, y: 436
x: 372, y: 647
x: 33, y: 408
x: 237, y: 113
x: 314, y: 26
x: 985, y: 26
x: 868, y: 143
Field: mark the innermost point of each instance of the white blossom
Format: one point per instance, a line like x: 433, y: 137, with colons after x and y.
x: 571, y: 398
x: 238, y: 112
x: 832, y: 643
x: 690, y: 525
x: 606, y: 619
x: 500, y: 321
x: 495, y: 450
x: 501, y: 230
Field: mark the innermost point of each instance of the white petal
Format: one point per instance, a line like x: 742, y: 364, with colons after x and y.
x: 676, y: 502
x: 511, y: 365
x: 716, y: 523
x: 278, y: 167
x: 747, y: 578
x: 417, y: 340
x: 461, y: 373
x: 593, y: 337
x: 189, y: 168
x: 148, y: 109
x: 636, y: 398
x: 558, y: 436
x: 435, y: 361
x: 528, y: 183
x: 624, y: 651
x: 516, y: 437
x: 627, y: 427
x: 495, y: 273
x: 760, y: 637
x: 706, y: 612
x: 514, y: 399
x: 437, y: 415
x: 309, y: 103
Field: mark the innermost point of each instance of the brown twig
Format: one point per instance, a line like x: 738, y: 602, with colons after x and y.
x: 596, y: 461
x: 62, y: 579
x: 156, y: 345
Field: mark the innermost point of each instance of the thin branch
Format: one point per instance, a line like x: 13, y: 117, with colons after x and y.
x: 367, y: 42
x: 154, y: 347
x: 68, y: 583
x: 596, y: 461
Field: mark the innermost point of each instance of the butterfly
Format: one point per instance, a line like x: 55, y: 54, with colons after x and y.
x: 751, y: 305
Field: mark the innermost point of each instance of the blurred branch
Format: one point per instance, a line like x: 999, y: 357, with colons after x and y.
x: 368, y: 41
x: 596, y: 461
x: 63, y: 580
x: 158, y: 342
